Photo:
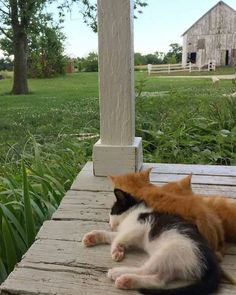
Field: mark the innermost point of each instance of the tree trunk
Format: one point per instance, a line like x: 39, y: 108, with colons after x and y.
x: 20, y: 84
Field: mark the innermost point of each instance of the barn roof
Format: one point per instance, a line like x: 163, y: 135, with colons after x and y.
x: 219, y: 3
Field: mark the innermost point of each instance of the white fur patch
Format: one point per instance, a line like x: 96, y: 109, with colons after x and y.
x: 128, y: 218
x: 172, y: 255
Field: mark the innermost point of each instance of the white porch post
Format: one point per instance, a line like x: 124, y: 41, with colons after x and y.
x: 117, y: 151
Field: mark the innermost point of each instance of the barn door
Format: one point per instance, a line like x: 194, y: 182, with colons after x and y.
x: 227, y: 58
x: 224, y: 58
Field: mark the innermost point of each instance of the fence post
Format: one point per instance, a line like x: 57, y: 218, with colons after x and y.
x: 149, y: 66
x: 168, y: 68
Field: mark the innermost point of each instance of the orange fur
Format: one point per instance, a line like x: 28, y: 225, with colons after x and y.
x: 226, y: 210
x: 182, y: 186
x: 187, y: 205
x: 224, y: 207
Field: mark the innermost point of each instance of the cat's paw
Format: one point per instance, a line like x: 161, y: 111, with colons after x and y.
x: 115, y: 272
x: 126, y: 282
x: 89, y: 239
x: 118, y: 252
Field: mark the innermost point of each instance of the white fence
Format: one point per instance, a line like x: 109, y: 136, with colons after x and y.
x: 169, y: 68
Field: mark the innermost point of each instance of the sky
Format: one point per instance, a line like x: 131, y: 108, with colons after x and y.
x: 162, y: 23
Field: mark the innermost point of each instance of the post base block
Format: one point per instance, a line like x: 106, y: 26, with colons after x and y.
x: 114, y: 159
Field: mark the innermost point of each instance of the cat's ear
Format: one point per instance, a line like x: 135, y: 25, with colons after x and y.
x: 146, y: 174
x: 120, y: 195
x: 186, y: 181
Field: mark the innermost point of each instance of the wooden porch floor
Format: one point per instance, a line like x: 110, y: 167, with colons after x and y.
x: 58, y: 264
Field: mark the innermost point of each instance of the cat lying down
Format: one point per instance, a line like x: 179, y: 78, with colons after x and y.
x: 225, y: 208
x: 176, y: 249
x: 187, y: 205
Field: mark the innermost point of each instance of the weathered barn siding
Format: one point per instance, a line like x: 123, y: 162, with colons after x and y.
x: 212, y: 37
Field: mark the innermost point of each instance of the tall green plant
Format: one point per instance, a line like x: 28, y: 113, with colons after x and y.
x: 9, y: 243
x: 30, y: 191
x: 29, y: 220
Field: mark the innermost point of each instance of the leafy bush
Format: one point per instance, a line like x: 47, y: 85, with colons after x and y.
x: 46, y: 57
x: 88, y: 64
x: 177, y: 130
x: 6, y: 64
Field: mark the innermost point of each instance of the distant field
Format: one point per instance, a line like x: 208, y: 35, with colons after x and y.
x: 180, y: 120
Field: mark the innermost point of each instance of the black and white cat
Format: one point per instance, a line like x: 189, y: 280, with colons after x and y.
x: 176, y: 250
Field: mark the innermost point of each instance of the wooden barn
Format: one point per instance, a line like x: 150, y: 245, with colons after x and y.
x: 212, y: 38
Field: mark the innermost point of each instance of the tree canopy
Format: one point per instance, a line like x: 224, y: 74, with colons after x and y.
x: 174, y: 55
x: 20, y: 18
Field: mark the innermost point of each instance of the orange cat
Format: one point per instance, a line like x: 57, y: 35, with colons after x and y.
x: 224, y: 207
x: 187, y: 205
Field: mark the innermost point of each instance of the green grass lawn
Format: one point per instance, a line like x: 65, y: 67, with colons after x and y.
x: 61, y: 106
x: 46, y: 136
x: 181, y: 114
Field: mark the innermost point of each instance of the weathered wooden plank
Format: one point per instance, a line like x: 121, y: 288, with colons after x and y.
x: 69, y: 230
x: 188, y: 168
x: 229, y: 264
x: 227, y: 290
x: 89, y: 199
x: 87, y: 181
x: 45, y: 279
x: 74, y: 254
x: 228, y: 191
x: 231, y: 249
x: 196, y: 179
x: 75, y: 281
x: 63, y: 280
x: 164, y: 168
x: 70, y: 212
x: 93, y: 206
